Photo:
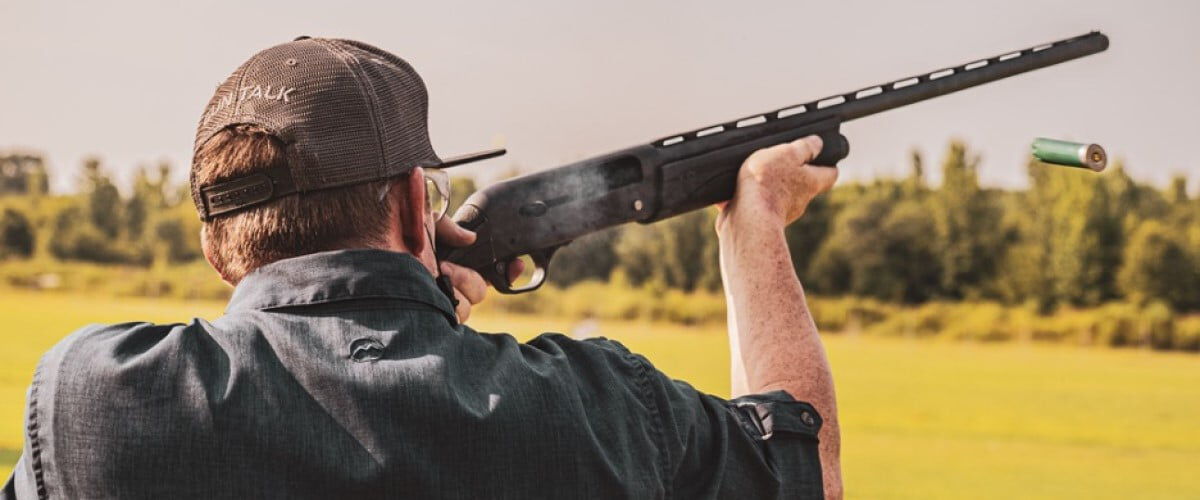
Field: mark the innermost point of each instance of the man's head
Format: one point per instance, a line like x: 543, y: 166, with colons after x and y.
x: 314, y: 145
x: 239, y: 242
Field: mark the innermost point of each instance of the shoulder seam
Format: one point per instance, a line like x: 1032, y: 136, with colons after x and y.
x: 35, y: 444
x: 35, y: 428
x: 656, y: 417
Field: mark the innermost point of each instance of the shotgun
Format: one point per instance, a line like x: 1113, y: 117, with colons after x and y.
x: 536, y: 214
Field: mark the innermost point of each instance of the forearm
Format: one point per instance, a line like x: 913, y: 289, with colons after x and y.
x: 773, y: 339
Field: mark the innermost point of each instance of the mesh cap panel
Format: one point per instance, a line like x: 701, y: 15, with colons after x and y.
x: 347, y: 112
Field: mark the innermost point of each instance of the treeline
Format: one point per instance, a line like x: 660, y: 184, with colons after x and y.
x: 1072, y: 238
x: 152, y: 222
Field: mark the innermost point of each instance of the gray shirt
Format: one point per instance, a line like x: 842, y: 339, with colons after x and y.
x: 346, y: 374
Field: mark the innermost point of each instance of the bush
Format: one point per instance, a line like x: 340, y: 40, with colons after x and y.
x: 191, y: 281
x: 1159, y: 265
x: 1112, y: 324
x: 980, y: 322
x: 1187, y: 334
x: 1157, y: 325
x: 850, y: 314
x: 1116, y: 325
x: 650, y: 301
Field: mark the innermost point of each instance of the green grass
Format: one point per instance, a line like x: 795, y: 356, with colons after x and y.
x: 921, y: 418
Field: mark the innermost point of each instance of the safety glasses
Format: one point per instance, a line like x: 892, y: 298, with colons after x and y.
x: 437, y: 193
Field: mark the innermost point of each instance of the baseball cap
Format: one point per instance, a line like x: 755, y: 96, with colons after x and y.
x: 347, y: 112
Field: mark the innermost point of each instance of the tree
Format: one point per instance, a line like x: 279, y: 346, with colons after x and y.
x: 880, y: 246
x: 591, y: 257
x: 805, y: 236
x: 1136, y: 201
x: 148, y: 207
x: 22, y: 173
x: 104, y: 200
x: 1177, y: 192
x: 16, y: 235
x: 679, y: 252
x: 178, y: 243
x: 74, y: 238
x: 688, y: 238
x: 1158, y: 265
x: 640, y: 251
x: 1070, y: 237
x: 915, y: 186
x: 138, y: 207
x: 966, y: 225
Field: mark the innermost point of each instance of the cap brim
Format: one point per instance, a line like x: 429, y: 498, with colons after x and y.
x: 455, y: 161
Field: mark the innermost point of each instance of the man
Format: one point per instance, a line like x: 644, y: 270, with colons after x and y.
x: 342, y: 367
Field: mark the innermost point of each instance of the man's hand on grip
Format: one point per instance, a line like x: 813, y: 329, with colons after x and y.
x: 469, y: 286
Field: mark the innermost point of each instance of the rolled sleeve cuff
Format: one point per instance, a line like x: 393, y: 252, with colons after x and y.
x: 788, y: 431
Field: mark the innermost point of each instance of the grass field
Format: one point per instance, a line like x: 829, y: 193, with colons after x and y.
x: 920, y: 419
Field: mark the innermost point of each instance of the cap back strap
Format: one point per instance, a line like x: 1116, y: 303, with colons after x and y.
x: 245, y: 192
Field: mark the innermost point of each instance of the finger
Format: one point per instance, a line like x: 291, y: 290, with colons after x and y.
x: 797, y: 152
x: 463, y: 309
x: 821, y: 178
x: 769, y: 156
x: 452, y: 234
x: 515, y: 268
x: 825, y: 177
x: 806, y: 148
x: 467, y: 281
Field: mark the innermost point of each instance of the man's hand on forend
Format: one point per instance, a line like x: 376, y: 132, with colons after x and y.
x: 776, y: 184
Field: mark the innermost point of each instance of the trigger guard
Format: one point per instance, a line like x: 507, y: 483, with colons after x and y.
x: 535, y: 281
x: 499, y: 275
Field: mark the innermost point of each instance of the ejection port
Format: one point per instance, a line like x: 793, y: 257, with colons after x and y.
x: 535, y: 209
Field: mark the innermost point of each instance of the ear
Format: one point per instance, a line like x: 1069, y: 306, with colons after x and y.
x: 412, y: 212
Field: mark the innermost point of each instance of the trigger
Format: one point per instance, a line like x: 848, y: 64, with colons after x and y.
x: 499, y: 277
x: 502, y: 269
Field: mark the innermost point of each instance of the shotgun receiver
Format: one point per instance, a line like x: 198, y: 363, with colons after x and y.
x: 537, y: 214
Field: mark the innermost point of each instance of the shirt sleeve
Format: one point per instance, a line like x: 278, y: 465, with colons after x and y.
x: 757, y: 446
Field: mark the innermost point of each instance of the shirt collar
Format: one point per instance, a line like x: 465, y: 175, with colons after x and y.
x: 339, y: 275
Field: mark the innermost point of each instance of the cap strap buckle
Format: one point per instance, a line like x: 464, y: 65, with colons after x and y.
x: 244, y: 192
x: 760, y: 418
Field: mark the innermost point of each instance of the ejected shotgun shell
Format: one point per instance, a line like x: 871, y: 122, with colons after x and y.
x: 1071, y: 154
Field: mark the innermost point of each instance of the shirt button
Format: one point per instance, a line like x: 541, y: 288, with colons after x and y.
x: 808, y: 419
x: 366, y: 350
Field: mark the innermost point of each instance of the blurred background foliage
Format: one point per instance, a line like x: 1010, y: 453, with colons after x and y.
x: 1075, y: 257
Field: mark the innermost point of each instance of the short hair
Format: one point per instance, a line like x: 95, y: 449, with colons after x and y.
x: 330, y: 219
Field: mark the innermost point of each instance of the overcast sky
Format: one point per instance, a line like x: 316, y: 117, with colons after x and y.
x: 556, y: 81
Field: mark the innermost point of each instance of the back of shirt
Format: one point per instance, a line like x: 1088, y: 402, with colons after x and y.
x: 337, y: 390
